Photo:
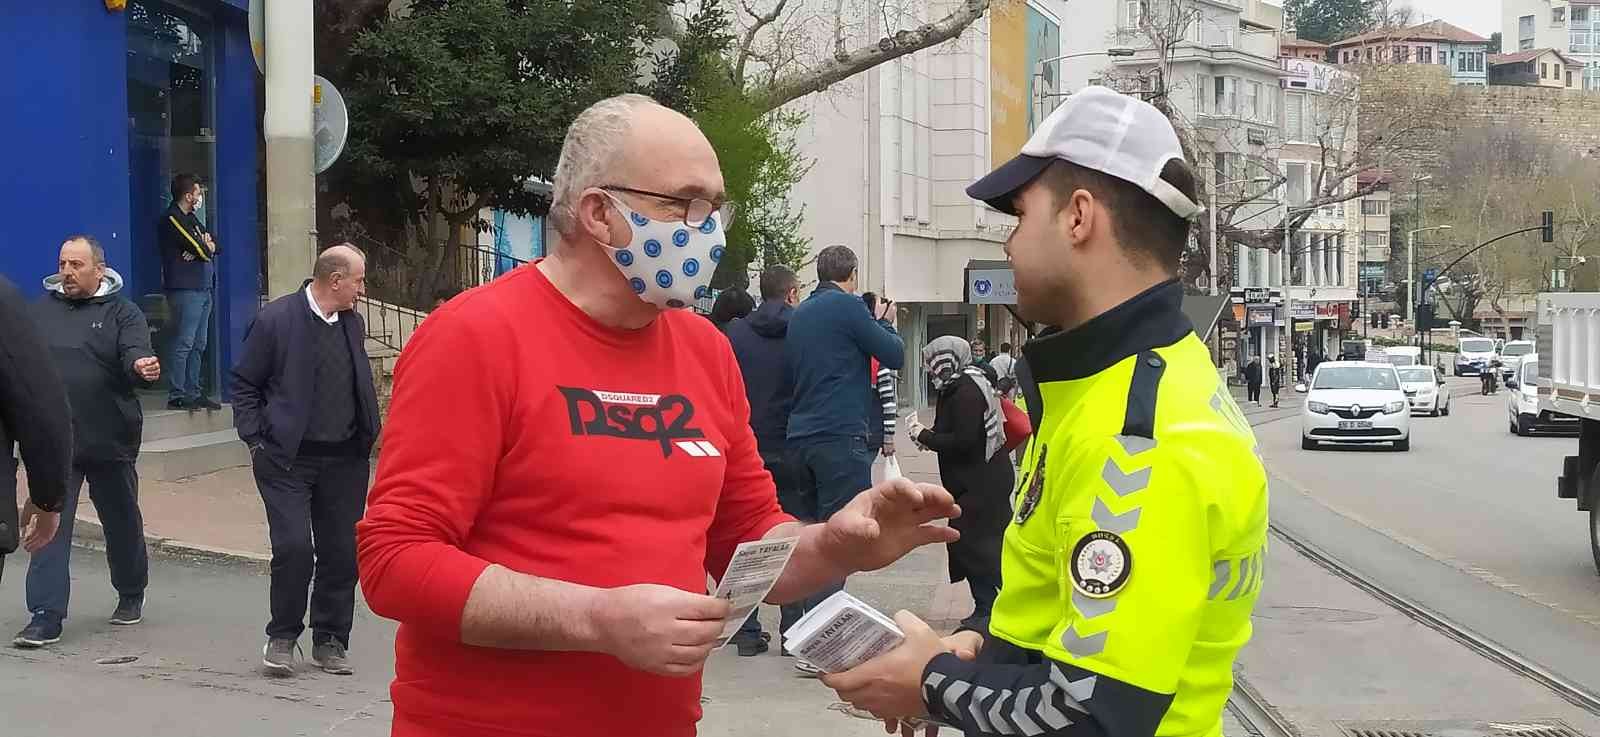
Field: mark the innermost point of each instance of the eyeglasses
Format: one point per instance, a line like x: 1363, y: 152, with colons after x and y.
x: 695, y: 210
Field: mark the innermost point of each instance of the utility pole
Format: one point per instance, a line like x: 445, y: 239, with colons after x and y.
x: 291, y: 150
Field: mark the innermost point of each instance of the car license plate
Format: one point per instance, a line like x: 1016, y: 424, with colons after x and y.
x: 1355, y: 424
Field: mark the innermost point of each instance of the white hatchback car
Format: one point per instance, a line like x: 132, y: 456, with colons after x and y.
x: 1426, y: 390
x: 1355, y: 402
x: 1522, y: 403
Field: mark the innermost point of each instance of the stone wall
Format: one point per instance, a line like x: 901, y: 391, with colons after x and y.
x: 1412, y: 114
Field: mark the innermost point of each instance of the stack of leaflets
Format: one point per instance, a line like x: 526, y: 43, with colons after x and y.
x: 841, y: 633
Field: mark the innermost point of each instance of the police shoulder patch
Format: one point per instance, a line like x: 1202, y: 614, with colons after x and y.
x: 1101, y: 564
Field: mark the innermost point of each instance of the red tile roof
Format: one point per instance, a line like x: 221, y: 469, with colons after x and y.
x: 1522, y: 57
x: 1436, y: 30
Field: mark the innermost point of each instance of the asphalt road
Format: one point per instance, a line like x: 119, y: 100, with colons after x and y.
x: 1467, y: 524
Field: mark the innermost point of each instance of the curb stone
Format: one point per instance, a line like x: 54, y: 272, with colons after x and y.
x: 88, y: 533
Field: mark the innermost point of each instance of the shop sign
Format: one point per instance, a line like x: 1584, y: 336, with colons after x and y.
x: 991, y: 287
x: 1260, y: 316
x: 1304, y: 311
x: 1257, y: 296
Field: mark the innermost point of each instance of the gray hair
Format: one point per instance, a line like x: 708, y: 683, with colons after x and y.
x: 336, y: 259
x: 589, y: 152
x: 836, y: 263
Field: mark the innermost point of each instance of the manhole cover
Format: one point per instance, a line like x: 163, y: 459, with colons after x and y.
x: 1314, y: 614
x: 1542, y: 728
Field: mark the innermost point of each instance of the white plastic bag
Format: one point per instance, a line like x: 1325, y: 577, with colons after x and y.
x: 885, y: 469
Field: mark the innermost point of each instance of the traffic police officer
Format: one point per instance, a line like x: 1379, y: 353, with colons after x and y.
x: 1137, y: 543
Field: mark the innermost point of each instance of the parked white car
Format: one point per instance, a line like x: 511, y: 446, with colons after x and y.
x: 1511, y: 355
x: 1355, y: 402
x: 1473, y: 355
x: 1425, y: 389
x: 1522, y: 404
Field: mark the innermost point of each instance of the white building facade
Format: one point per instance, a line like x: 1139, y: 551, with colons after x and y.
x: 895, y: 149
x: 1569, y: 26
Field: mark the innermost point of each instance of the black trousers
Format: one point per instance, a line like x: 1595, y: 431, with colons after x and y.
x: 312, y: 510
x: 1254, y: 393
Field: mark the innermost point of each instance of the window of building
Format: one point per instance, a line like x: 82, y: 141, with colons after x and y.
x: 1580, y: 41
x: 1397, y: 54
x: 1294, y: 114
x: 1569, y: 78
x: 1580, y: 14
x: 1205, y: 97
x: 1221, y: 161
x: 1558, y: 16
x: 1252, y: 101
x: 1424, y: 54
x: 1525, y: 44
x: 1375, y: 238
x: 1544, y: 70
x: 1295, y: 172
x: 1369, y: 54
x: 1375, y: 207
x: 1131, y: 15
x: 1525, y: 27
x: 1220, y: 98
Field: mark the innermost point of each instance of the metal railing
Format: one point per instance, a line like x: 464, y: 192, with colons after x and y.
x: 398, y: 301
x: 389, y: 325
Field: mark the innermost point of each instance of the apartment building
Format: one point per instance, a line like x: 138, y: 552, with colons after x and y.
x: 1463, y: 53
x: 1569, y: 26
x: 897, y: 146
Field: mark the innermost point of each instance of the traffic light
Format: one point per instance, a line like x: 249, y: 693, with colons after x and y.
x: 1547, y: 233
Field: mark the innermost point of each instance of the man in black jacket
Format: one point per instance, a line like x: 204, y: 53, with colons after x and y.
x: 100, y: 344
x: 33, y: 415
x: 303, y: 400
x: 188, y: 271
x: 758, y: 347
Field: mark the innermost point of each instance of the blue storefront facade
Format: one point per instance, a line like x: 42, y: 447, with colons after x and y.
x: 99, y: 109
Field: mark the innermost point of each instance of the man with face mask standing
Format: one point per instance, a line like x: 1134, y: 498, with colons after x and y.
x: 1137, y: 543
x: 543, y: 522
x: 188, y: 271
x: 303, y: 400
x: 100, y: 344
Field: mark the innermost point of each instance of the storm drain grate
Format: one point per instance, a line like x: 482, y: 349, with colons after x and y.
x: 1544, y: 728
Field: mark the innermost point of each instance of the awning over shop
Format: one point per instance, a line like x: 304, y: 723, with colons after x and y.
x: 993, y: 283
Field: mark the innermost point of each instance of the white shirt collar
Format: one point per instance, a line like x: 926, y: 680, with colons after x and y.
x: 315, y: 310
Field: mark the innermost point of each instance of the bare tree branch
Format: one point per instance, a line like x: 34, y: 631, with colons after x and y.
x: 839, y: 52
x: 792, y: 86
x: 747, y: 44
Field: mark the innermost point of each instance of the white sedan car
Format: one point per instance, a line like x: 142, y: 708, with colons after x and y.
x: 1425, y: 389
x: 1355, y: 402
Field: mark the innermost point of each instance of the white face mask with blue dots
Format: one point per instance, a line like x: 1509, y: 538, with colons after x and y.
x: 669, y: 264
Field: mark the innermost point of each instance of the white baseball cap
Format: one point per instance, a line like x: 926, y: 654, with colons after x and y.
x: 1100, y: 129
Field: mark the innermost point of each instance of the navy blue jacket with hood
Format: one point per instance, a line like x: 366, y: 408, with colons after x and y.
x: 758, y: 341
x: 831, y: 338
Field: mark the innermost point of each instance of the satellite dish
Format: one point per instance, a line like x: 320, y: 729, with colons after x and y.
x: 330, y: 123
x: 258, y: 33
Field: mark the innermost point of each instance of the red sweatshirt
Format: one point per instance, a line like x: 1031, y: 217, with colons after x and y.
x: 524, y: 433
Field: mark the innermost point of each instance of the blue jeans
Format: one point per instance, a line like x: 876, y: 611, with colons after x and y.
x: 191, y: 318
x: 830, y: 472
x: 114, y: 490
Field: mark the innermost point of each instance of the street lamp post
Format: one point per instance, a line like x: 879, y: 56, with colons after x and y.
x: 1115, y: 51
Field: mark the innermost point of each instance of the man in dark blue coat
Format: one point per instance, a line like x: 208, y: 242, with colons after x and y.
x: 304, y: 401
x: 33, y: 421
x: 832, y: 339
x: 758, y: 341
x: 100, y: 345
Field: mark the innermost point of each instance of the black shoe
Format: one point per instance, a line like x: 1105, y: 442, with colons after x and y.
x: 277, y: 656
x: 40, y: 632
x: 332, y: 658
x: 178, y: 404
x: 206, y: 403
x: 750, y: 647
x: 130, y: 610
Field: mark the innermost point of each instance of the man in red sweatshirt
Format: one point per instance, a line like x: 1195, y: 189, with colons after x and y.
x: 543, y: 519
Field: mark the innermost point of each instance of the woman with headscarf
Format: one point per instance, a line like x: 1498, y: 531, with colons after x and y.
x: 969, y: 437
